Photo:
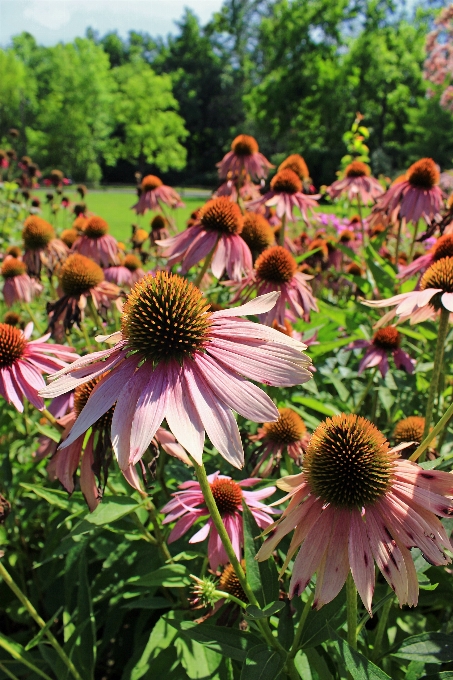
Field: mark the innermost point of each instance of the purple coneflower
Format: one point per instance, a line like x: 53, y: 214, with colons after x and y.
x: 18, y: 285
x: 228, y: 496
x: 174, y: 359
x: 257, y: 233
x: 218, y: 228
x: 384, y: 342
x: 23, y: 361
x: 443, y: 247
x: 127, y: 273
x: 288, y: 433
x: 159, y: 229
x: 244, y: 159
x: 355, y: 503
x: 357, y: 183
x: 286, y: 194
x: 276, y: 270
x: 153, y: 193
x: 97, y: 243
x: 41, y: 247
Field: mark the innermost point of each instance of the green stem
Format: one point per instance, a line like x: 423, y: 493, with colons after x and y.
x: 8, y: 672
x: 411, y: 251
x: 351, y: 604
x: 4, y: 644
x: 228, y: 596
x: 381, y: 628
x: 300, y: 627
x: 366, y: 617
x: 85, y: 335
x: 443, y: 422
x: 41, y: 623
x: 366, y: 391
x: 235, y: 563
x: 52, y: 420
x: 398, y: 242
x: 205, y: 267
x: 362, y: 225
x: 30, y: 313
x: 438, y: 357
x: 281, y: 233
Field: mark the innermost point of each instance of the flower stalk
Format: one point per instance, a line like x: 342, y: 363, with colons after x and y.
x: 443, y: 422
x: 205, y: 266
x: 438, y: 360
x: 281, y: 233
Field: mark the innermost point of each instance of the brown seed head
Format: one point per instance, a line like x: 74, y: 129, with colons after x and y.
x: 81, y: 395
x: 354, y: 269
x: 257, y: 232
x: 229, y: 582
x: 79, y: 274
x: 37, y: 233
x: 222, y: 215
x: 158, y: 222
x: 132, y: 262
x: 439, y: 275
x: 423, y: 174
x: 165, y: 318
x: 387, y: 338
x: 357, y: 169
x: 140, y: 237
x: 150, y: 182
x: 12, y: 345
x: 286, y: 182
x: 13, y: 267
x: 244, y: 145
x: 79, y: 223
x: 276, y: 265
x: 12, y: 319
x: 15, y: 251
x: 296, y: 163
x: 346, y: 236
x: 288, y: 429
x: 348, y: 462
x: 443, y: 247
x: 409, y: 430
x: 69, y: 236
x: 96, y: 227
x: 227, y: 495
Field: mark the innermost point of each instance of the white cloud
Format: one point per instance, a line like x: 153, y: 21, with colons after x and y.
x: 48, y: 13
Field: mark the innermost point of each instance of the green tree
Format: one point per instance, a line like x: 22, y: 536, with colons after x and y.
x: 149, y: 129
x: 13, y: 91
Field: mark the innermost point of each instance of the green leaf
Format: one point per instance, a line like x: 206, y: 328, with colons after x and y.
x: 319, y: 406
x: 34, y: 641
x: 358, y: 665
x: 18, y: 652
x: 170, y: 576
x: 262, y: 576
x: 52, y: 496
x: 427, y: 647
x: 262, y: 664
x: 445, y: 675
x: 199, y: 662
x: 161, y: 637
x: 253, y: 612
x: 148, y: 603
x: 230, y: 642
x: 285, y: 629
x: 111, y: 510
x: 85, y: 647
x: 316, y: 629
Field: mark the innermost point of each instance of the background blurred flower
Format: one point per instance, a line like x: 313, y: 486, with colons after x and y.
x: 385, y: 341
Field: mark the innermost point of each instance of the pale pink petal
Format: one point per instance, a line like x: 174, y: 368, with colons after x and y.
x: 88, y: 484
x: 182, y: 417
x: 447, y: 301
x: 201, y: 534
x: 259, y: 305
x: 149, y: 413
x: 361, y: 559
x: 171, y: 446
x: 123, y: 415
x: 330, y: 581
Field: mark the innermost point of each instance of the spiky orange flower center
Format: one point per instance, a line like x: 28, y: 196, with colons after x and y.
x: 229, y: 582
x: 95, y: 227
x: 354, y: 269
x: 321, y: 246
x: 348, y: 462
x: 387, y: 338
x: 296, y: 163
x: 132, y: 262
x: 227, y: 495
x: 276, y: 265
x: 357, y: 169
x: 222, y: 215
x: 12, y: 267
x: 56, y: 176
x: 140, y: 236
x: 15, y: 251
x: 257, y: 232
x: 11, y: 318
x: 165, y: 317
x: 37, y: 233
x: 289, y: 427
x: 151, y: 182
x: 286, y: 182
x: 287, y: 329
x: 443, y: 247
x: 409, y: 429
x: 450, y: 202
x: 423, y: 174
x: 244, y: 145
x: 439, y: 275
x: 346, y: 236
x: 12, y: 345
x: 69, y: 236
x: 158, y: 222
x: 81, y: 395
x: 79, y: 274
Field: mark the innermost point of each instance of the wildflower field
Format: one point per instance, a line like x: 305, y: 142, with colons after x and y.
x: 226, y: 446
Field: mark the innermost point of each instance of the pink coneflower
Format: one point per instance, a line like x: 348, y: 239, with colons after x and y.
x: 247, y: 192
x: 228, y: 496
x: 18, y: 285
x: 159, y: 229
x: 436, y: 292
x: 384, y: 342
x: 153, y: 193
x: 244, y: 159
x: 96, y: 451
x: 286, y: 194
x: 127, y: 273
x: 276, y: 270
x: 41, y: 247
x: 257, y: 233
x: 174, y: 359
x: 357, y: 502
x: 23, y: 361
x: 288, y: 433
x: 219, y: 227
x: 80, y: 279
x: 357, y: 183
x: 97, y: 243
x: 443, y: 247
x: 415, y: 196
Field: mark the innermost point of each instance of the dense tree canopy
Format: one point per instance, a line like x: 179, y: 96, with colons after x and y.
x: 292, y: 72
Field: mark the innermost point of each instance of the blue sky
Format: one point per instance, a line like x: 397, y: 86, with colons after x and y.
x: 51, y: 21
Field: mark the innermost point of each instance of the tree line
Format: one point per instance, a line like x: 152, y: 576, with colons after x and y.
x: 293, y: 73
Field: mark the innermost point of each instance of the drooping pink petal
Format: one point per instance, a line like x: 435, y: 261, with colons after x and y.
x: 361, y: 559
x: 182, y: 416
x: 88, y: 484
x: 149, y: 413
